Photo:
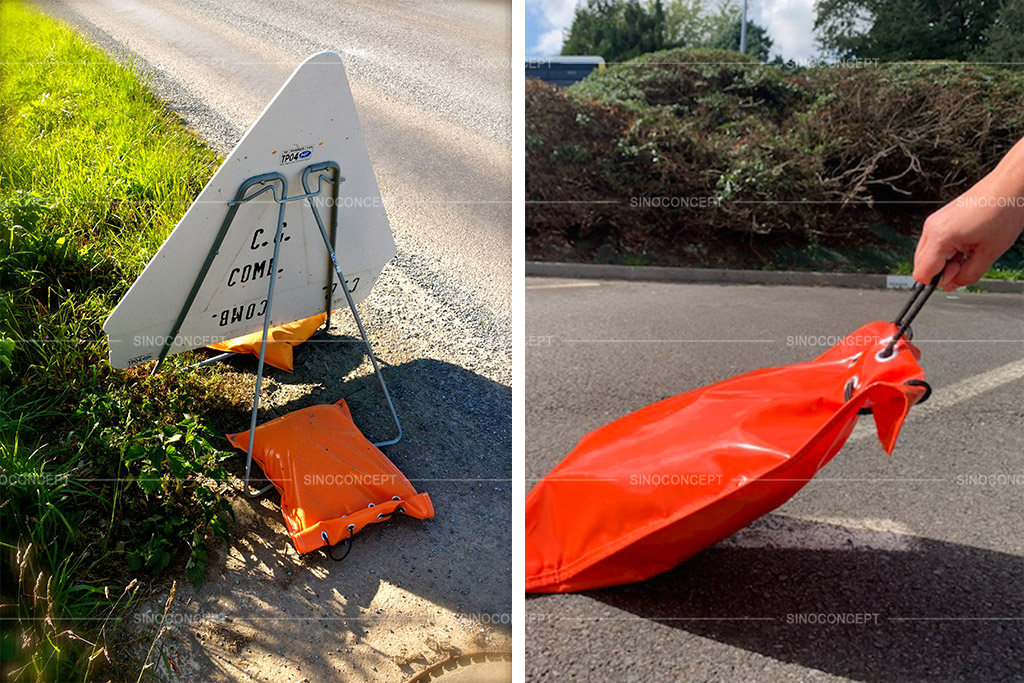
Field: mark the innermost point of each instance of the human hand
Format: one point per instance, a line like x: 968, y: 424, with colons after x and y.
x: 965, y: 237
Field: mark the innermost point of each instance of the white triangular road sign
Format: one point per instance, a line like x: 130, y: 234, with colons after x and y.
x: 311, y: 119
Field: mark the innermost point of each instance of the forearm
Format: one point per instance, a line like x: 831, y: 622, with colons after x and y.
x: 965, y: 237
x: 1004, y: 185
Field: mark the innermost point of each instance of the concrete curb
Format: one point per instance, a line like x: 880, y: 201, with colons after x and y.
x: 604, y: 271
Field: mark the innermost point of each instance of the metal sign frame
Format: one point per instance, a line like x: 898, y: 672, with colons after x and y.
x: 267, y: 182
x: 311, y: 119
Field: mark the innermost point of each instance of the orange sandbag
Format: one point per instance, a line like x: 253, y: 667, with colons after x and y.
x: 332, y: 480
x: 640, y: 495
x: 280, y: 340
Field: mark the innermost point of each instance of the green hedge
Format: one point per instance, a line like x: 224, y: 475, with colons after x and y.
x: 705, y: 157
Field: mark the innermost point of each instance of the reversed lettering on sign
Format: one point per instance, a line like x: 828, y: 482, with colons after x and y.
x: 237, y: 314
x: 352, y: 285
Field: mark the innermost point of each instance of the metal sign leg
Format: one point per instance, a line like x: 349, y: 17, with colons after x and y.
x: 334, y: 269
x: 263, y: 349
x: 315, y: 168
x: 240, y: 198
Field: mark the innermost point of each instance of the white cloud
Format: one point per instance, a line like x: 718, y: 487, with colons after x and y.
x: 555, y: 17
x: 549, y: 43
x: 790, y: 25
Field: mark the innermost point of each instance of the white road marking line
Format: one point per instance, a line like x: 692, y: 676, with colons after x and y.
x: 564, y: 285
x: 974, y: 386
x: 899, y: 281
x: 667, y: 341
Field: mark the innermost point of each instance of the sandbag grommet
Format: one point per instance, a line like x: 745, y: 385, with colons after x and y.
x: 851, y: 386
x: 890, y: 347
x: 397, y: 511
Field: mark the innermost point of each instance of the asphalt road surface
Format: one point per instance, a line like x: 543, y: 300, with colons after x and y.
x: 432, y: 87
x: 927, y: 544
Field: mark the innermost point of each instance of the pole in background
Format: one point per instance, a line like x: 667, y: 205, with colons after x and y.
x: 743, y: 30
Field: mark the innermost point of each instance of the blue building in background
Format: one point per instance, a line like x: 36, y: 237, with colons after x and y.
x: 562, y: 71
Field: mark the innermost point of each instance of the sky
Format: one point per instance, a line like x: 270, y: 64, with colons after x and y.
x: 790, y: 25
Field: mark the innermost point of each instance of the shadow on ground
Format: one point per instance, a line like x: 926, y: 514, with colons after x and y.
x: 411, y: 592
x: 936, y: 612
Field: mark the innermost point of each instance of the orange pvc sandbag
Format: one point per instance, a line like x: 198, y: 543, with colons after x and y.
x: 332, y: 480
x: 649, y: 490
x: 280, y: 340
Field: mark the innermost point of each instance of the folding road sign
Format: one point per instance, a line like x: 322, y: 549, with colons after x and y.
x: 214, y: 268
x: 290, y: 227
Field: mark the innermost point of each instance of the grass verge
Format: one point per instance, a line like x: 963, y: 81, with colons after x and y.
x: 104, y: 476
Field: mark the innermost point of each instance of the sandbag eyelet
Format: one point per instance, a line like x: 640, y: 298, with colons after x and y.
x: 882, y: 358
x: 851, y: 386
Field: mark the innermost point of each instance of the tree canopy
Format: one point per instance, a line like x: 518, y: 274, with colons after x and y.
x: 622, y: 29
x: 617, y: 29
x: 896, y: 30
x: 1004, y: 44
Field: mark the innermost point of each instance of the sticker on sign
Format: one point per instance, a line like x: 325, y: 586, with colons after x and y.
x: 298, y: 154
x: 312, y: 119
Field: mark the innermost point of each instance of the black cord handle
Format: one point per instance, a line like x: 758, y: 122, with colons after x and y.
x: 385, y: 515
x: 351, y: 532
x: 347, y: 542
x: 919, y: 295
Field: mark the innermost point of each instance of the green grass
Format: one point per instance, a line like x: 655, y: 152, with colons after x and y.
x: 994, y: 273
x: 105, y: 476
x: 1015, y: 274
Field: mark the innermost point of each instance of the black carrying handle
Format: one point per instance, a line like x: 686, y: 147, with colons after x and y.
x: 919, y: 295
x: 351, y: 532
x: 348, y: 544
